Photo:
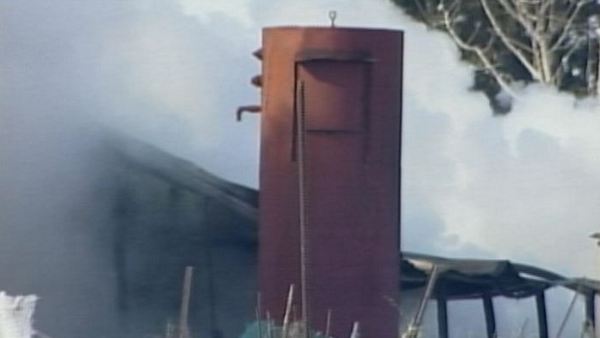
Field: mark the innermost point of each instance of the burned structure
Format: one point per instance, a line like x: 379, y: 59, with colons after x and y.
x: 328, y: 222
x: 166, y: 214
x: 155, y: 214
x: 113, y: 266
x: 169, y: 213
x: 486, y: 280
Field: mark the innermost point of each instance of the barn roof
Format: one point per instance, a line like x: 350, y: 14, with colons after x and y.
x: 457, y: 278
x: 186, y: 175
x: 475, y: 278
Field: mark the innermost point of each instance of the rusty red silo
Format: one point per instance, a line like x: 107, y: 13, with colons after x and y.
x: 330, y: 175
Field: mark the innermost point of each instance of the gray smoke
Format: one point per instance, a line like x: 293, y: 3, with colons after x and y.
x: 171, y: 73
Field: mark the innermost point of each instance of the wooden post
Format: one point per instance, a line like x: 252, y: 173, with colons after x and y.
x: 185, y: 302
x: 288, y: 312
x: 355, y: 330
x: 269, y: 326
x: 426, y: 297
x: 328, y: 324
x: 490, y: 317
x: 590, y: 310
x: 442, y: 317
x: 540, y: 302
x: 258, y: 315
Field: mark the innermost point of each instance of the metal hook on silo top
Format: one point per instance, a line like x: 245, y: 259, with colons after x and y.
x: 332, y: 17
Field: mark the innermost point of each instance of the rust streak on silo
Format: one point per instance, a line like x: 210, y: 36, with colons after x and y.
x: 347, y: 83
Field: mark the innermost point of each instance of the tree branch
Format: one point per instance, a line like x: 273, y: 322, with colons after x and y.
x: 517, y: 16
x: 558, y: 74
x: 567, y: 28
x: 422, y: 12
x: 473, y: 34
x: 507, y: 42
x: 543, y: 23
x: 521, y: 45
x: 479, y: 52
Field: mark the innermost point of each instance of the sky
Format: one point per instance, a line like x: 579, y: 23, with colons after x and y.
x: 524, y: 187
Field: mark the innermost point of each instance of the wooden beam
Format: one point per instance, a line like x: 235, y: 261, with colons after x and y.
x: 490, y: 317
x: 540, y: 303
x: 185, y: 175
x: 590, y: 309
x: 183, y: 329
x: 442, y: 317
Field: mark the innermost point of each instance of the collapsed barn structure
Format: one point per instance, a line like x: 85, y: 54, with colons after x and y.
x: 159, y: 214
x: 329, y: 219
x: 237, y: 227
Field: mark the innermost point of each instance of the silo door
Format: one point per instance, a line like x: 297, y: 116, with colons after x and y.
x: 332, y: 98
x: 335, y: 95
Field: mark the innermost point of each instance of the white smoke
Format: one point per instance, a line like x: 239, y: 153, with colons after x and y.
x: 516, y: 187
x: 16, y: 316
x: 523, y: 187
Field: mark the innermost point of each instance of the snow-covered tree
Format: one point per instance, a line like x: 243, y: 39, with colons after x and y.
x: 555, y: 42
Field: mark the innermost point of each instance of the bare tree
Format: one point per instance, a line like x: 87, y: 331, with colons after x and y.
x: 541, y: 36
x: 593, y: 56
x: 550, y: 31
x: 481, y: 51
